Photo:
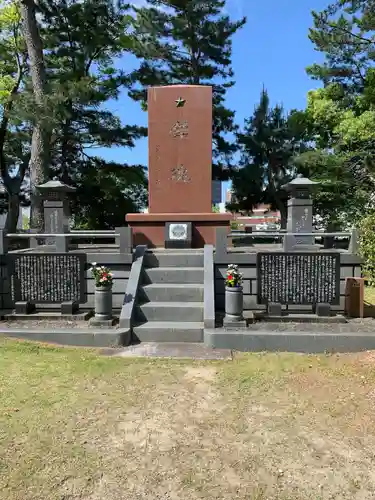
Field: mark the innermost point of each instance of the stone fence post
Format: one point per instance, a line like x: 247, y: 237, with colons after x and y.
x: 124, y: 240
x: 3, y: 242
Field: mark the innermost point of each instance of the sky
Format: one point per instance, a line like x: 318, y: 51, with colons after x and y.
x: 271, y: 50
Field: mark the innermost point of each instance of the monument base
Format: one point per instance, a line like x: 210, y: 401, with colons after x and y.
x: 149, y: 229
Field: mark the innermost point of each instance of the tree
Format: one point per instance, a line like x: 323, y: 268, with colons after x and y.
x: 14, y: 150
x: 345, y: 33
x: 193, y: 41
x: 342, y: 114
x: 40, y: 142
x: 269, y: 142
x: 82, y: 40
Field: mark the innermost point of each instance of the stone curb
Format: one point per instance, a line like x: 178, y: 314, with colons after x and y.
x: 79, y: 337
x: 302, y: 342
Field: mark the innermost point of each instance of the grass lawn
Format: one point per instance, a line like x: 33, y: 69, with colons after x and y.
x: 369, y: 295
x: 74, y: 425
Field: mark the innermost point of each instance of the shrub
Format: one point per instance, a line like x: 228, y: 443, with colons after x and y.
x: 367, y: 246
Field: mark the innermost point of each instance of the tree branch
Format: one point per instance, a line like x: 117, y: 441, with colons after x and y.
x: 348, y: 32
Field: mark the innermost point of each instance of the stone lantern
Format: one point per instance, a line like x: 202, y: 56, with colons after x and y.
x: 56, y: 206
x: 300, y: 209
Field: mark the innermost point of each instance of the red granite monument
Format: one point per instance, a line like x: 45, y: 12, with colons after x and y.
x: 180, y: 166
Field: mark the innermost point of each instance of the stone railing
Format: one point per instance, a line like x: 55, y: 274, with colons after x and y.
x: 63, y: 242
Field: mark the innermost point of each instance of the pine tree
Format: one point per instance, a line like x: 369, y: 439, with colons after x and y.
x: 344, y: 33
x: 269, y: 142
x: 82, y: 40
x: 192, y: 42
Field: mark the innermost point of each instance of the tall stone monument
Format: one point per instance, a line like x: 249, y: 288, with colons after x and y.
x: 180, y: 170
x: 300, y: 212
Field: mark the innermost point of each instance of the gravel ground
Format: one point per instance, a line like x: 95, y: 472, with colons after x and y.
x: 48, y: 324
x: 365, y: 325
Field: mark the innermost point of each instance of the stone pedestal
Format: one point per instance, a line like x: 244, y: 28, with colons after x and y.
x: 180, y: 166
x: 149, y: 229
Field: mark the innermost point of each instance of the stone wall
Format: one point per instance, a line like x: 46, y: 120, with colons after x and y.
x: 350, y: 266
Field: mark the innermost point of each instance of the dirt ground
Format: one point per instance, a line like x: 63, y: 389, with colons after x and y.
x: 76, y: 425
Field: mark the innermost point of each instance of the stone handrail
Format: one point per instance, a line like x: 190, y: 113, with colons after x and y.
x: 131, y: 294
x: 209, y: 287
x: 274, y: 234
x: 121, y: 235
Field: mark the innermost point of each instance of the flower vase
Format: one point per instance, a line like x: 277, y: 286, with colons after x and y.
x: 103, y: 302
x: 233, y: 303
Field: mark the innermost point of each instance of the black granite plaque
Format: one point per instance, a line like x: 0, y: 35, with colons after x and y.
x: 49, y: 279
x: 298, y: 278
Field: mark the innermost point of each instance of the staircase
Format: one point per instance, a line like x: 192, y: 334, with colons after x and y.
x: 170, y: 306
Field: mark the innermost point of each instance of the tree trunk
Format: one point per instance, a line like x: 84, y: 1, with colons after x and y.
x: 13, y: 187
x: 279, y: 203
x: 39, y: 158
x: 13, y: 213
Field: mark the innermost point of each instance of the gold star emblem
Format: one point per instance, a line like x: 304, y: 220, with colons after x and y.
x: 180, y: 102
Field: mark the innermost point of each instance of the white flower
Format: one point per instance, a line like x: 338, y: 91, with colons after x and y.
x: 93, y: 264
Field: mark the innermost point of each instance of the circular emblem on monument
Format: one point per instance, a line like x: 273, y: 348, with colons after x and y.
x: 178, y: 231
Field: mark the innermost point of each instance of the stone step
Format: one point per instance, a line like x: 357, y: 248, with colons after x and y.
x: 170, y: 311
x: 175, y: 259
x: 164, y: 292
x: 173, y: 275
x: 169, y: 331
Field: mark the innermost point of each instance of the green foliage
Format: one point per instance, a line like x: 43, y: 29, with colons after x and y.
x: 367, y: 246
x: 341, y: 197
x: 269, y: 142
x: 341, y: 115
x: 345, y: 33
x: 194, y: 46
x: 106, y: 192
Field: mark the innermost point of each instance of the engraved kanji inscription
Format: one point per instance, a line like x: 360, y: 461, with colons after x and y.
x: 180, y: 129
x: 298, y: 278
x: 48, y: 278
x: 180, y: 174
